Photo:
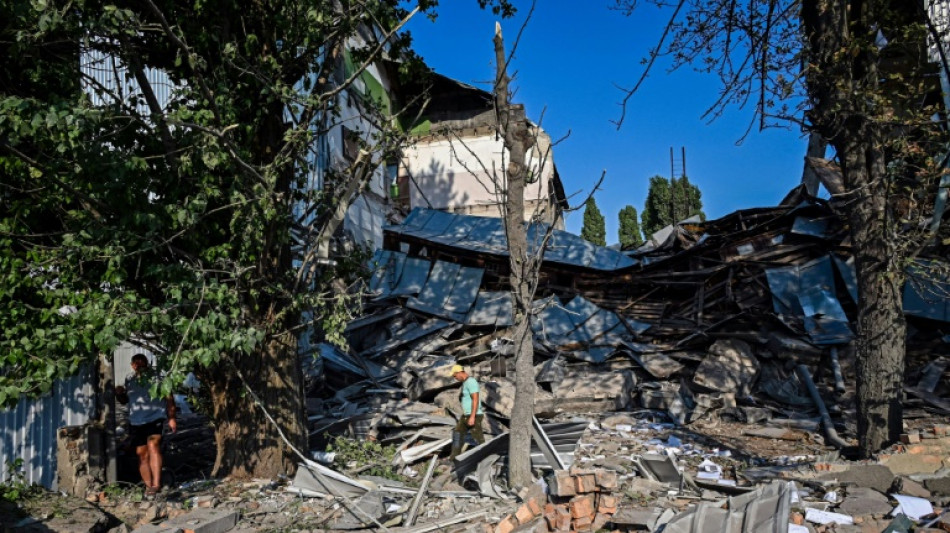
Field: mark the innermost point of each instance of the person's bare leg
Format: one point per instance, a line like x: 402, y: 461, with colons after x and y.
x: 145, y: 470
x: 155, y: 460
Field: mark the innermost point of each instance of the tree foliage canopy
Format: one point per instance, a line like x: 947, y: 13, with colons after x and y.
x: 670, y: 201
x: 629, y: 232
x: 159, y: 163
x: 594, y: 228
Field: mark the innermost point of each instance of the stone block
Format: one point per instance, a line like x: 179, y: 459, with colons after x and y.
x: 910, y: 438
x: 205, y: 521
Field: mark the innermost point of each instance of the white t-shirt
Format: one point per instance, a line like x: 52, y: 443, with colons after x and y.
x: 142, y: 408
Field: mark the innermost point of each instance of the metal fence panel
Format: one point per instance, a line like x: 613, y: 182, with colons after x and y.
x: 28, y: 431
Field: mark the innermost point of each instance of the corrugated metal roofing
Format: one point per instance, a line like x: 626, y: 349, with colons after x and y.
x: 28, y: 431
x: 487, y: 235
x: 491, y: 309
x: 808, y: 291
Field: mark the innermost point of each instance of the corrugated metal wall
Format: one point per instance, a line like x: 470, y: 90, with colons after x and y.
x: 939, y: 11
x: 28, y: 431
x: 109, y: 81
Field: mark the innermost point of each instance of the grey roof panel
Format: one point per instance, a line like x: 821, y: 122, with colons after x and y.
x: 465, y: 290
x: 415, y: 272
x: 491, y: 309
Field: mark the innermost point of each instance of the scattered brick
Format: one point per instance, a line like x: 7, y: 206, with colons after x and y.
x: 534, y: 506
x: 524, y: 514
x: 585, y: 483
x: 582, y: 506
x: 562, y: 484
x: 507, y: 525
x: 607, y: 504
x: 606, y: 480
x: 584, y: 523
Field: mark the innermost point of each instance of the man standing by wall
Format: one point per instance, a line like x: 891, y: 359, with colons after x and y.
x: 471, y: 419
x: 146, y: 418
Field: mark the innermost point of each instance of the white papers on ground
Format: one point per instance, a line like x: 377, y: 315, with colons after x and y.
x: 911, y: 506
x: 826, y: 517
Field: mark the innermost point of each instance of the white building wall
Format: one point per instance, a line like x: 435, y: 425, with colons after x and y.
x: 453, y: 174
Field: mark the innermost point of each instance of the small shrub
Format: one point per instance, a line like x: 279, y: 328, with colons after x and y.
x: 15, y: 488
x: 369, y: 457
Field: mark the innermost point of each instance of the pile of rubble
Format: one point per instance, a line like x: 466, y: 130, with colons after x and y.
x: 739, y: 327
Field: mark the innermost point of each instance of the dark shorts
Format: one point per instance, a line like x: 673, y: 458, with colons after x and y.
x: 138, y: 435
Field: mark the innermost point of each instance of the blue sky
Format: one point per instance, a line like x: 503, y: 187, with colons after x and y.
x: 569, y: 59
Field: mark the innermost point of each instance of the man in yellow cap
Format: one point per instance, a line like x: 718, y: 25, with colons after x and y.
x: 471, y: 419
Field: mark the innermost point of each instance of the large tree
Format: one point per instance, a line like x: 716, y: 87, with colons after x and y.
x: 861, y: 72
x: 670, y: 201
x: 182, y: 214
x: 594, y: 229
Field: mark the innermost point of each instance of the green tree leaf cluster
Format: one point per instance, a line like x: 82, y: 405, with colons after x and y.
x: 182, y: 222
x: 629, y: 232
x: 594, y: 229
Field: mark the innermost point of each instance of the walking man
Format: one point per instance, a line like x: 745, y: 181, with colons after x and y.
x: 146, y: 418
x: 471, y: 419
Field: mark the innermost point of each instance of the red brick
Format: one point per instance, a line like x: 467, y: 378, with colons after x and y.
x: 534, y: 506
x: 941, y: 430
x: 524, y: 514
x: 606, y: 480
x: 562, y: 484
x: 607, y: 504
x: 582, y: 506
x: 507, y: 525
x: 585, y: 483
x: 563, y: 518
x: 583, y: 523
x: 599, y: 521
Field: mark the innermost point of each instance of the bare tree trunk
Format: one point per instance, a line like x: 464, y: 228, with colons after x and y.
x: 881, y: 324
x: 843, y: 112
x: 514, y: 129
x: 249, y: 445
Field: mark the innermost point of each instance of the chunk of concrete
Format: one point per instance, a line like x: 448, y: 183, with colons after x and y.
x: 638, y: 518
x: 729, y: 367
x: 862, y: 501
x: 617, y: 386
x: 204, y: 521
x: 877, y: 477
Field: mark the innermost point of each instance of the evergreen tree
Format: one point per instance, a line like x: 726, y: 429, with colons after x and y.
x: 594, y: 230
x: 670, y: 201
x: 656, y: 209
x: 629, y: 232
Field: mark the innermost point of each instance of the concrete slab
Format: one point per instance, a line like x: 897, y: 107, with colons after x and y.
x: 205, y: 521
x: 862, y: 501
x: 877, y: 477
